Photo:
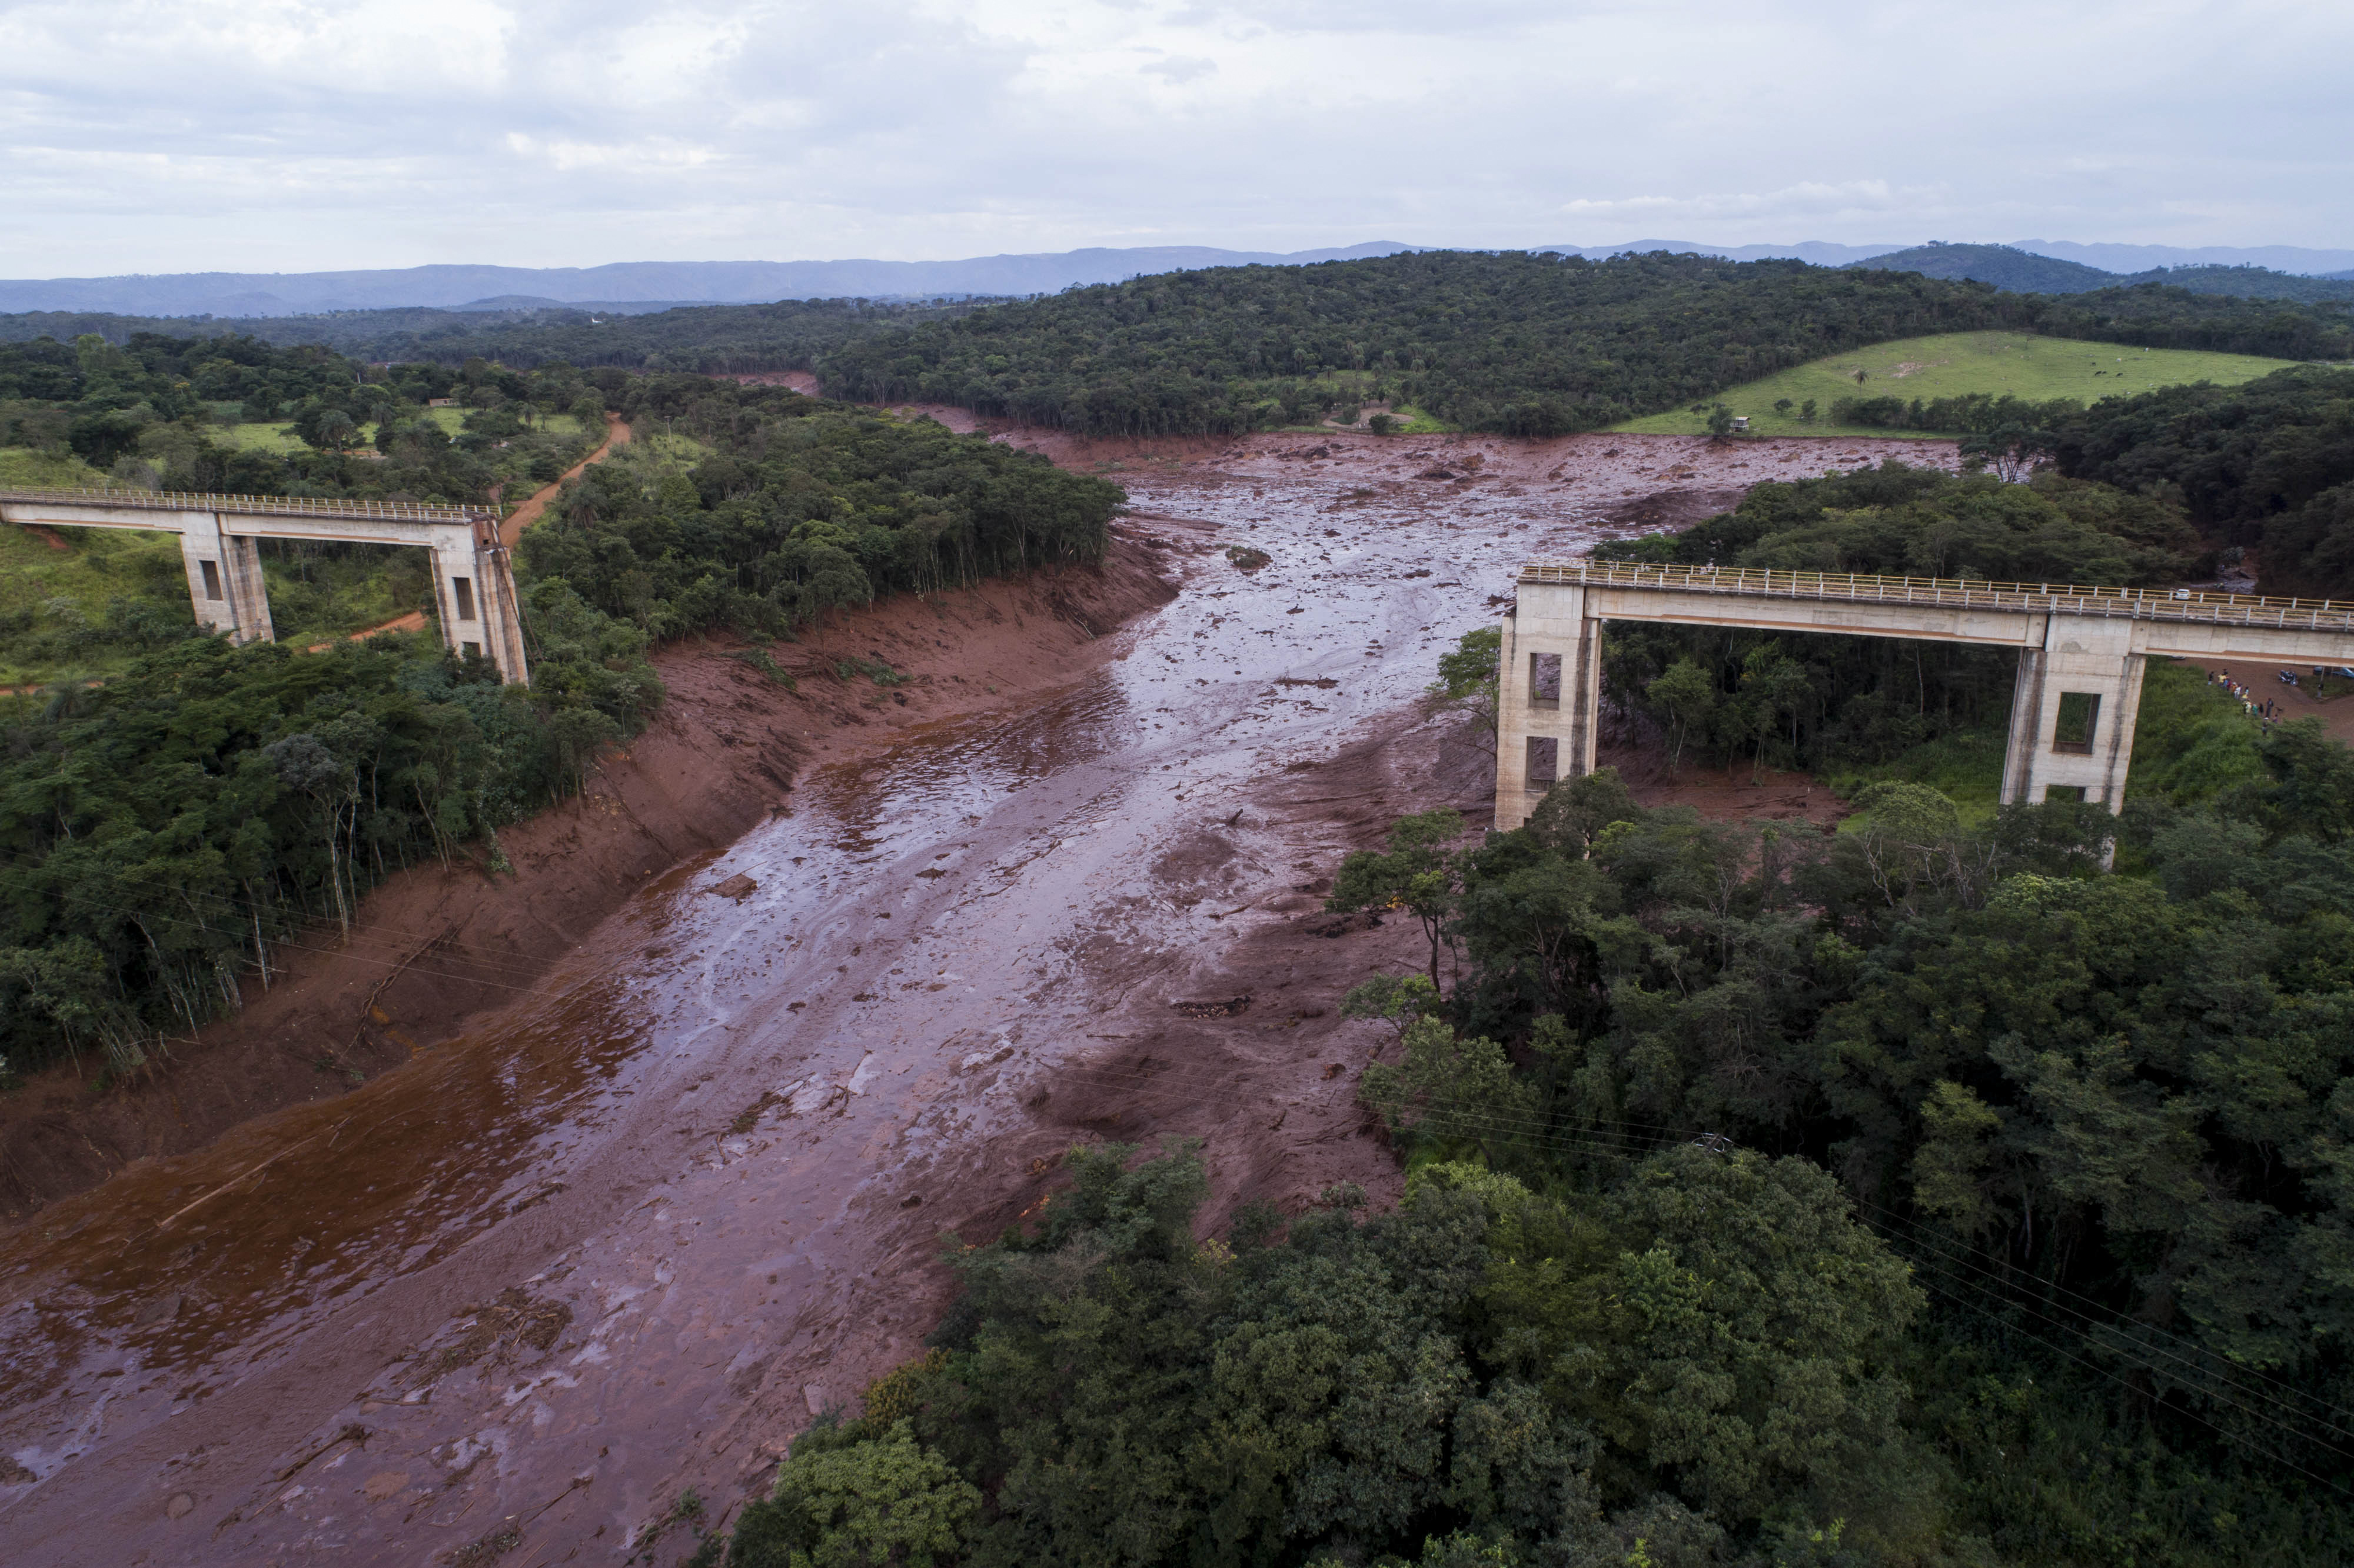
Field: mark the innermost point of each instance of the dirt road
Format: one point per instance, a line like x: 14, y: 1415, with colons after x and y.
x: 625, y: 1238
x: 617, y: 434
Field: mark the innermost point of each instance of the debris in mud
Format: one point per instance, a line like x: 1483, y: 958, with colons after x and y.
x: 749, y: 1116
x: 158, y: 1309
x: 1323, y: 684
x: 515, y: 1319
x: 806, y: 1096
x: 1342, y: 924
x: 1248, y: 559
x: 487, y: 1549
x: 1229, y: 1008
x: 988, y: 1058
x: 739, y: 887
x: 351, y: 1432
x: 13, y: 1474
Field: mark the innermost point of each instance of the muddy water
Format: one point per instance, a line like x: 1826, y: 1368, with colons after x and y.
x: 625, y: 1238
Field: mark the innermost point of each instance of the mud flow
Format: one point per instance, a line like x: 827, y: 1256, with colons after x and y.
x: 518, y: 1296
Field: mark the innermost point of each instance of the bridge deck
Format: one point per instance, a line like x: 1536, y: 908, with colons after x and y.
x: 2193, y: 605
x: 323, y: 508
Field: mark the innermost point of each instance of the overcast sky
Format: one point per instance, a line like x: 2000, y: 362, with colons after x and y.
x: 266, y: 135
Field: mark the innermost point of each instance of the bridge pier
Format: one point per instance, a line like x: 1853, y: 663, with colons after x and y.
x: 225, y: 582
x: 1548, y: 702
x: 473, y: 585
x: 2073, y: 711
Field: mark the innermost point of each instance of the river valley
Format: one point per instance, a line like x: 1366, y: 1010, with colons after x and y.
x: 516, y: 1298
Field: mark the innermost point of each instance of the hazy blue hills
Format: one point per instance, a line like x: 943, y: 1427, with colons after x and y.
x: 635, y: 287
x: 668, y: 282
x: 2109, y: 257
x: 2024, y: 272
x: 2004, y: 266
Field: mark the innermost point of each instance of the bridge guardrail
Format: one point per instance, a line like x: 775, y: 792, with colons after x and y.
x: 2060, y: 599
x: 255, y: 505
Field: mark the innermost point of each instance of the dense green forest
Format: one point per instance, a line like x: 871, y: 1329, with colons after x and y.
x: 164, y: 831
x: 1919, y: 1194
x: 166, y: 411
x: 1516, y: 343
x: 2269, y: 464
x: 713, y: 338
x: 795, y: 509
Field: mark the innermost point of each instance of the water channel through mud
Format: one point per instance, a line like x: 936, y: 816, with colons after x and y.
x: 624, y: 1238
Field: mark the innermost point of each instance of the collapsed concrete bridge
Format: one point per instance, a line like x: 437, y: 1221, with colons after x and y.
x: 2081, y: 654
x: 474, y: 582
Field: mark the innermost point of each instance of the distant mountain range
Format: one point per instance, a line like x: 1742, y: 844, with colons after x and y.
x: 2024, y: 272
x: 632, y: 287
x: 636, y: 285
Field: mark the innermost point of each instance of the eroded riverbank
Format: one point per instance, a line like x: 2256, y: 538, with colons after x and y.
x: 623, y: 1237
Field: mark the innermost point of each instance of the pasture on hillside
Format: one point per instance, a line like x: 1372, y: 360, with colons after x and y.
x: 1950, y: 364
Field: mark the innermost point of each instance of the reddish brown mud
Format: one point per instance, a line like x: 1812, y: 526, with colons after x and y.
x: 630, y: 1229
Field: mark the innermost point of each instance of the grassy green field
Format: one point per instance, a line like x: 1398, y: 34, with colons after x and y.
x: 270, y: 437
x: 273, y: 438
x: 2037, y: 369
x: 22, y: 467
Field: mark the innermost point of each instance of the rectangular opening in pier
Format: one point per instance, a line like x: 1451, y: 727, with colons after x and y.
x: 2080, y: 714
x: 212, y: 578
x: 2072, y: 794
x: 465, y: 589
x: 1544, y: 679
x: 1545, y: 761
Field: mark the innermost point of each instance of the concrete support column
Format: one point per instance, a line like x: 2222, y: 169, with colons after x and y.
x: 474, y: 588
x: 1548, y: 703
x: 2073, y: 712
x: 225, y: 580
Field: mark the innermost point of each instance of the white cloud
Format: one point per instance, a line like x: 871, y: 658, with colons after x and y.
x: 288, y: 134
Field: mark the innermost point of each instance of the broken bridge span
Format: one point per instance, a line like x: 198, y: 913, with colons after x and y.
x: 473, y: 581
x: 2082, y: 652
